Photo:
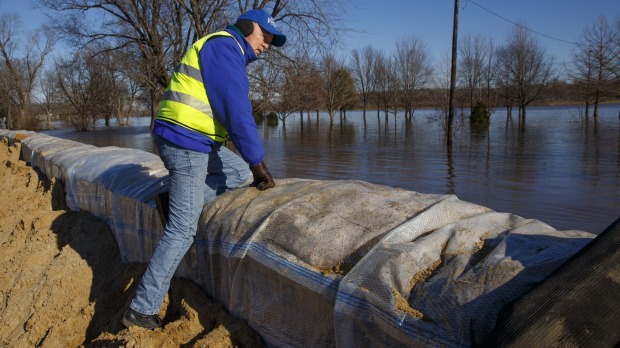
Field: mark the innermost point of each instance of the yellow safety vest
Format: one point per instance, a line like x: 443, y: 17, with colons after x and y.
x: 185, y: 101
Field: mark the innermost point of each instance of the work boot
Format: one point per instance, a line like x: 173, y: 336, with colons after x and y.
x: 162, y: 203
x: 133, y: 318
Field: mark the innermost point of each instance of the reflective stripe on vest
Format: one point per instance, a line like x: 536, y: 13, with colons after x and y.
x: 185, y: 101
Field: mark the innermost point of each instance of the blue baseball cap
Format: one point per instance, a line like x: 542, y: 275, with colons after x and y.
x: 265, y: 21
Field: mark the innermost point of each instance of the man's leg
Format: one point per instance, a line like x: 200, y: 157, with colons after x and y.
x: 187, y: 170
x: 226, y: 171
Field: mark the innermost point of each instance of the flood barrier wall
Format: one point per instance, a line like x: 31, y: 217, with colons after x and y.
x: 314, y: 263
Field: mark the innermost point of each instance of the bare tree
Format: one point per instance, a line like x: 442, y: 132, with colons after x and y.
x: 385, y: 84
x: 311, y: 96
x: 312, y: 26
x: 337, y: 85
x: 583, y: 77
x: 615, y: 67
x: 440, y: 83
x: 7, y: 104
x: 476, y: 68
x: 362, y: 65
x: 489, y: 76
x: 506, y: 89
x: 300, y: 86
x: 594, y: 63
x: 22, y: 70
x: 124, y: 90
x: 264, y: 92
x: 394, y: 96
x: 86, y: 88
x: 50, y: 95
x: 347, y: 90
x: 414, y: 68
x: 273, y: 89
x: 528, y: 70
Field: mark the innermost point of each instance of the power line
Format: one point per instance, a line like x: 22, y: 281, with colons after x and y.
x: 524, y: 27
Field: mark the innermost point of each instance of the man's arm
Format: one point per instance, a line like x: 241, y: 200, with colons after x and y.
x: 224, y: 74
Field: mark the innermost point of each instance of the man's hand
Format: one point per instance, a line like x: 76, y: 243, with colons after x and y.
x: 262, y: 178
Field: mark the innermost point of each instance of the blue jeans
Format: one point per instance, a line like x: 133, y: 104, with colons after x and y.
x: 195, y: 179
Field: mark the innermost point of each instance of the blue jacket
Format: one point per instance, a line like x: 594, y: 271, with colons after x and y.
x: 223, y: 70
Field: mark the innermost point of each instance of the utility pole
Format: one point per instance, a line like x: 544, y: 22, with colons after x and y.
x: 455, y: 28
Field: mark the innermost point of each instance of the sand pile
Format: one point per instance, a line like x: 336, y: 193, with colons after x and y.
x: 63, y: 284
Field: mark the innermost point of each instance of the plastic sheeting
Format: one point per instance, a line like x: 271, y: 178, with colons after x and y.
x: 326, y: 263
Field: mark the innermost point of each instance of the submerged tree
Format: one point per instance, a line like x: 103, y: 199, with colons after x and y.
x: 386, y: 84
x: 440, y: 84
x: 477, y: 69
x: 362, y: 66
x: 414, y: 71
x: 338, y: 86
x: 527, y: 69
x: 300, y: 85
x: 50, y: 96
x: 594, y: 63
x: 86, y: 88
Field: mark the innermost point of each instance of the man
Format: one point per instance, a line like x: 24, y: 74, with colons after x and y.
x: 205, y: 104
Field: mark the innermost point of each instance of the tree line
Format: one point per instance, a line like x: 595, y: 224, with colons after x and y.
x: 118, y: 56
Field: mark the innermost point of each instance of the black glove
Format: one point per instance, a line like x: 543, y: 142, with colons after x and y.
x: 262, y: 178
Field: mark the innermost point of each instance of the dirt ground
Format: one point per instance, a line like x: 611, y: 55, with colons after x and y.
x: 63, y: 284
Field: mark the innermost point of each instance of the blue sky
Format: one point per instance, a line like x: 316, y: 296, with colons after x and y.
x: 385, y: 22
x: 382, y: 23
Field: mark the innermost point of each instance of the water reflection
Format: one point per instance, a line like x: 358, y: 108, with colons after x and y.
x: 557, y: 169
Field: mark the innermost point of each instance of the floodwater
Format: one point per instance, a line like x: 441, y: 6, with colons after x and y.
x: 558, y: 169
